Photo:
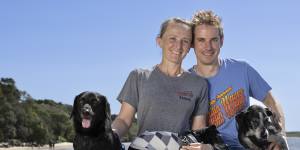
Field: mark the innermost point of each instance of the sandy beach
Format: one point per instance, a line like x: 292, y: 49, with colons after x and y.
x: 59, y: 146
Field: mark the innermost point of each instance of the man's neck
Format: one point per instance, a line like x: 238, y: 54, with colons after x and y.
x: 207, y: 71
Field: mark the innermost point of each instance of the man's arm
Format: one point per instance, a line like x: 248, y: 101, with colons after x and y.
x: 271, y: 103
x: 123, y: 122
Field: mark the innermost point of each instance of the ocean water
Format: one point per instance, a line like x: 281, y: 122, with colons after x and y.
x: 294, y: 143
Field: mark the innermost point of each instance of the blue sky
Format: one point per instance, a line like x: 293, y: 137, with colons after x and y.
x: 56, y: 49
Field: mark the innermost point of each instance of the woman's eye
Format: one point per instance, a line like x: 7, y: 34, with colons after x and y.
x: 186, y: 41
x: 172, y: 39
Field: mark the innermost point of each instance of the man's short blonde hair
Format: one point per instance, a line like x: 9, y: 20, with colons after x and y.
x: 208, y: 17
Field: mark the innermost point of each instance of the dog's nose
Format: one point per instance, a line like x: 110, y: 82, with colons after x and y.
x: 86, y: 109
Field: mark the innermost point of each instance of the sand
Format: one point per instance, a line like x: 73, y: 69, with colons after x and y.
x: 58, y: 146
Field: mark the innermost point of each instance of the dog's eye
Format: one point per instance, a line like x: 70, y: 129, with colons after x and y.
x: 255, y: 123
x: 81, y: 101
x: 94, y: 101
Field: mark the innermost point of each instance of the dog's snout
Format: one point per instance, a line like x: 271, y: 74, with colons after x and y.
x: 87, y: 109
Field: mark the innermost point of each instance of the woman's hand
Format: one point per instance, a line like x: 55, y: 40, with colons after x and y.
x: 197, y: 146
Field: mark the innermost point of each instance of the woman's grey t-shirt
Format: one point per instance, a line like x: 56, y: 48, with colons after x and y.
x: 165, y: 103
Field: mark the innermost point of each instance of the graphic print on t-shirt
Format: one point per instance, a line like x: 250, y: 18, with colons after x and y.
x: 230, y: 103
x: 185, y: 95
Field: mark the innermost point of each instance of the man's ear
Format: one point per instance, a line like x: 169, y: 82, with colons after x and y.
x: 222, y: 41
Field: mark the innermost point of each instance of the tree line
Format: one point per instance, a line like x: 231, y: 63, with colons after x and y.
x: 24, y: 119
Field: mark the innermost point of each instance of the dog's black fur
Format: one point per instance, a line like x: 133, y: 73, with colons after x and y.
x: 92, y: 123
x: 258, y: 127
x: 207, y: 135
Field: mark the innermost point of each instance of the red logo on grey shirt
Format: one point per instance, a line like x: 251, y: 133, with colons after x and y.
x: 185, y: 95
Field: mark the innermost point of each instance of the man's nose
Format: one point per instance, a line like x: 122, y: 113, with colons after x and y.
x: 207, y: 46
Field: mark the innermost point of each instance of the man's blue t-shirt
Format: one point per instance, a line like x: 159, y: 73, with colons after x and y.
x: 229, y: 92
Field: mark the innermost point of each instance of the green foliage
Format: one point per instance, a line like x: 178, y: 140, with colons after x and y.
x: 131, y: 133
x: 25, y: 119
x: 293, y: 134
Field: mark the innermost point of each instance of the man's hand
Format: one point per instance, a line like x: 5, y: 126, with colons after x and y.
x: 197, y: 146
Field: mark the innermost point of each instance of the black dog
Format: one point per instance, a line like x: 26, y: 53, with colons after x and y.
x: 258, y: 127
x: 92, y: 123
x: 207, y: 135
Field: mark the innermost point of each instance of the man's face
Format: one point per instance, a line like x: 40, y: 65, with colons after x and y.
x: 207, y: 44
x: 175, y: 42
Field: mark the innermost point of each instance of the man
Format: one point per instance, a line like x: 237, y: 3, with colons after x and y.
x: 231, y: 82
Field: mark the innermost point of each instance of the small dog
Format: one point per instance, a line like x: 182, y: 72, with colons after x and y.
x: 207, y: 135
x: 258, y: 127
x: 92, y: 123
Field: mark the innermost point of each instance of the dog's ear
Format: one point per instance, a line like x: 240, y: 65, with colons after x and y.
x: 268, y: 112
x: 107, y: 114
x: 75, y: 104
x: 240, y: 120
x: 239, y: 117
x: 213, y: 127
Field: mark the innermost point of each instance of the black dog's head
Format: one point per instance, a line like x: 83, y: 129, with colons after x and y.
x: 255, y: 121
x: 91, y: 113
x: 207, y: 135
x: 255, y: 125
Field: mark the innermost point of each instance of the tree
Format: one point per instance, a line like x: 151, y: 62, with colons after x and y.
x: 29, y: 120
x: 9, y: 90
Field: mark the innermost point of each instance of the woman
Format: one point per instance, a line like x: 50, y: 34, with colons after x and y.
x: 165, y: 97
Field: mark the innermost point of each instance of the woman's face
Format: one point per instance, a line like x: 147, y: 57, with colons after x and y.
x: 175, y: 42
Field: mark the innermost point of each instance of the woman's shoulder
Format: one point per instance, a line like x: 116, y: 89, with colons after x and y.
x: 141, y: 72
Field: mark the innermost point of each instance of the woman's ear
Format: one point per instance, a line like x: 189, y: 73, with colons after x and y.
x: 158, y: 41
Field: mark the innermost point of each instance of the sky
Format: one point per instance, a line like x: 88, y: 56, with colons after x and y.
x: 55, y: 49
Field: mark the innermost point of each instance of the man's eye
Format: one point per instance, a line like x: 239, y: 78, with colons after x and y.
x: 200, y: 40
x: 215, y: 40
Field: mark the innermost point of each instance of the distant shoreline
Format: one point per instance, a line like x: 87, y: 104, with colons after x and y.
x: 58, y: 146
